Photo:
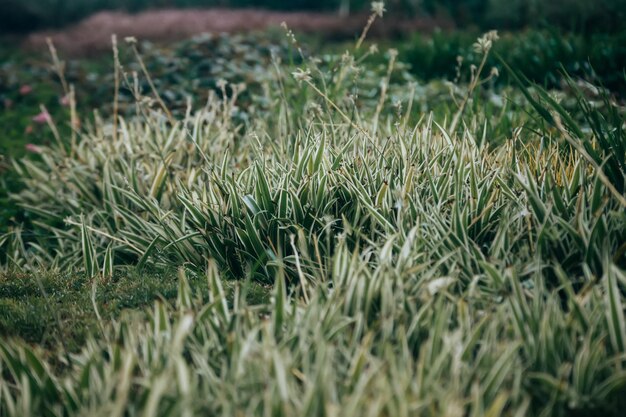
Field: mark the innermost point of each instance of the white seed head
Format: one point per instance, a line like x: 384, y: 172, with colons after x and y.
x: 378, y: 8
x: 302, y: 75
x: 221, y: 83
x: 485, y: 42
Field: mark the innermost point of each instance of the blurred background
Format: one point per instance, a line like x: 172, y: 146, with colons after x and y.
x: 583, y: 16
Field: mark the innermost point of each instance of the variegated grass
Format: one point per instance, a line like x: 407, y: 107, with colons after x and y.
x: 468, y: 267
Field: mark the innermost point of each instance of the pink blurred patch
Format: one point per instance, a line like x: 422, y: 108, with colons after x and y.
x: 26, y: 89
x: 43, y: 117
x: 65, y: 100
x: 29, y: 129
x: 31, y: 147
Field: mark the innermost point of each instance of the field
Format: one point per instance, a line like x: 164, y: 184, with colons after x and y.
x: 264, y: 225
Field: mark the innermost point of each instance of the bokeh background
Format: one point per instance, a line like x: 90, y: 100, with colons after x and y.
x: 574, y: 15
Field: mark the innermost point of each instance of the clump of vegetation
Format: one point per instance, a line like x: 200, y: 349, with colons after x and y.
x: 461, y: 258
x: 187, y: 71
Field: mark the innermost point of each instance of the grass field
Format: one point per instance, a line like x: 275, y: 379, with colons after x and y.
x: 313, y: 235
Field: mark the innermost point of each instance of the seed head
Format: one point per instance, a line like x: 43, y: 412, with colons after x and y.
x: 302, y: 75
x: 378, y: 8
x: 485, y: 42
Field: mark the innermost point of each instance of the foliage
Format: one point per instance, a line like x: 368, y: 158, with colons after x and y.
x: 576, y: 15
x: 580, y: 16
x: 188, y: 71
x: 457, y: 256
x: 62, y: 310
x: 540, y: 55
x: 381, y: 341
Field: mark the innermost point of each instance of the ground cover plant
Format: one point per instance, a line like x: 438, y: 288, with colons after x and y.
x: 345, y: 243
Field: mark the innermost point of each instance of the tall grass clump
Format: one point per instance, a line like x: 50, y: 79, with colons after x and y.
x: 469, y: 263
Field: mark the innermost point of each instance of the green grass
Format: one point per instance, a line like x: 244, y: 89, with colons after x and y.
x: 542, y: 55
x: 56, y: 310
x: 348, y: 241
x: 30, y: 304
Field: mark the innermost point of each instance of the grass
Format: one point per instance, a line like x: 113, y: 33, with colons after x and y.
x: 30, y: 304
x: 541, y: 55
x: 350, y: 242
x: 54, y: 310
